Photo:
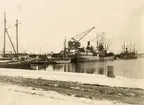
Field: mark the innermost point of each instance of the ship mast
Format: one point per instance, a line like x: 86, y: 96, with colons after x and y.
x: 124, y: 47
x: 64, y: 48
x: 98, y: 42
x: 4, y: 33
x: 130, y: 47
x: 17, y: 36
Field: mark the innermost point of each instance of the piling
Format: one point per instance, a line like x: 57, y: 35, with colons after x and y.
x: 110, y: 71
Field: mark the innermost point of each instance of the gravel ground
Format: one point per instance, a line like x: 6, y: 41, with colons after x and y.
x: 75, y: 89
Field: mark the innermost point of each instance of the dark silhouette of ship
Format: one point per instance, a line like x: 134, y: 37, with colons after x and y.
x: 89, y: 53
x: 128, y: 52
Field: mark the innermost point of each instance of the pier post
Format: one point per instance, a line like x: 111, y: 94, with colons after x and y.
x: 110, y: 71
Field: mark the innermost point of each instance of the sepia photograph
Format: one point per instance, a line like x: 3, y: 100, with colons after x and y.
x: 72, y: 52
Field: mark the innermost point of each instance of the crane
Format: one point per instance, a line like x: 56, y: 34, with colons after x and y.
x: 75, y: 43
x: 85, y: 33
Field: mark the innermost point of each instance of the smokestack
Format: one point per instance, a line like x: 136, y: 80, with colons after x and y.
x: 88, y: 43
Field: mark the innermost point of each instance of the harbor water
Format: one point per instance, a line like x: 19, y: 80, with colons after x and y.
x: 123, y: 68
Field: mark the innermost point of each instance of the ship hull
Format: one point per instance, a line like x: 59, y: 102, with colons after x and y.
x: 15, y: 65
x: 62, y: 61
x: 82, y: 58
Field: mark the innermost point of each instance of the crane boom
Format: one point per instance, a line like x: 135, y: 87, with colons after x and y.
x: 75, y: 43
x: 85, y: 33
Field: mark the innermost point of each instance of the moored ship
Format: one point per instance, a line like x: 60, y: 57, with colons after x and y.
x: 16, y: 59
x: 89, y: 53
x: 61, y: 57
x: 128, y: 52
x: 92, y: 55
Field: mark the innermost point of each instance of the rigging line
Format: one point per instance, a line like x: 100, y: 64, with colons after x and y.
x: 10, y: 41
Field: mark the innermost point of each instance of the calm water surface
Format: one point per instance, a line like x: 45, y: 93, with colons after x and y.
x: 124, y: 68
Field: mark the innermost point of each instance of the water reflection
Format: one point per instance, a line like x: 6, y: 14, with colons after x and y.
x: 39, y: 67
x: 101, y: 71
x: 57, y: 67
x: 125, y: 68
x: 90, y: 68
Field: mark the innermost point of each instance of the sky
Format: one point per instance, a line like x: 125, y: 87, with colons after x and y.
x: 46, y: 23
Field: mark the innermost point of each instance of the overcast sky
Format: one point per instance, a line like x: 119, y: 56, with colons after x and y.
x: 45, y: 23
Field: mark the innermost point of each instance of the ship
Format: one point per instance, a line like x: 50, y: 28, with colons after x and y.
x: 15, y: 64
x: 89, y: 53
x: 16, y: 59
x: 58, y: 58
x: 61, y: 57
x: 128, y: 52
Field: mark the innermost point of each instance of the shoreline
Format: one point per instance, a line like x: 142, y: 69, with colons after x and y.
x: 88, y: 91
x: 76, y: 77
x: 78, y: 85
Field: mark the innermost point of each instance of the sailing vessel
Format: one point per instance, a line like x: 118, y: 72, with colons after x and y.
x: 12, y: 60
x: 15, y: 64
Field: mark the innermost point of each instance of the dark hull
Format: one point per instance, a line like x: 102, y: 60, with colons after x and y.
x: 15, y: 65
x: 90, y: 58
x: 62, y: 61
x: 126, y: 57
x: 39, y: 62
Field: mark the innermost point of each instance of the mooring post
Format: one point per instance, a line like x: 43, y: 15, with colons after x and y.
x: 110, y: 71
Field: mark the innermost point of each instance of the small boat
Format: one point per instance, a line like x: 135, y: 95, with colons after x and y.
x: 61, y: 57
